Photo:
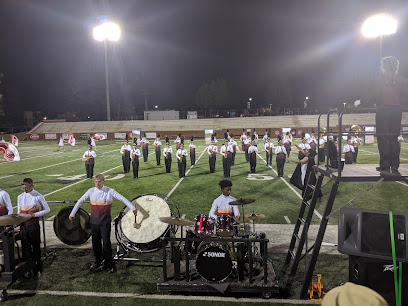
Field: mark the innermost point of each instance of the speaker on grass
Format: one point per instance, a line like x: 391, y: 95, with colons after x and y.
x: 365, y: 232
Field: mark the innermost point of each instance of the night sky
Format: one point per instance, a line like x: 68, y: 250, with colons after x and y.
x: 52, y: 64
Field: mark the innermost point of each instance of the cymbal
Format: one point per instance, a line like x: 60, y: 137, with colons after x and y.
x: 241, y: 201
x: 176, y: 221
x: 14, y: 219
x: 254, y: 217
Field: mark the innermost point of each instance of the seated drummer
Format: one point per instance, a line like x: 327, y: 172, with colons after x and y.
x: 221, y: 204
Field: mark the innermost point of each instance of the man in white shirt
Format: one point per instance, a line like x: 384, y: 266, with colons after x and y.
x: 269, y: 151
x: 252, y: 152
x: 280, y: 152
x: 221, y: 206
x: 125, y: 151
x: 303, y: 146
x: 167, y: 152
x: 145, y: 148
x: 234, y: 144
x: 212, y: 151
x: 33, y: 203
x: 192, y: 147
x: 157, y: 149
x: 5, y: 203
x: 181, y: 157
x: 89, y: 158
x: 226, y: 152
x: 101, y: 198
x: 135, y: 154
x: 348, y: 151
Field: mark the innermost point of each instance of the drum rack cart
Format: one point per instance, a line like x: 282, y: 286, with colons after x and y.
x: 179, y: 274
x: 350, y: 173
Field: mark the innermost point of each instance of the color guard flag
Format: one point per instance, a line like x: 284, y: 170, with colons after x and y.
x: 14, y: 140
x: 71, y: 140
x: 10, y: 152
x: 99, y: 136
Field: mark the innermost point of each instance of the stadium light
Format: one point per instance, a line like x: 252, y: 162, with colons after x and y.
x: 104, y: 32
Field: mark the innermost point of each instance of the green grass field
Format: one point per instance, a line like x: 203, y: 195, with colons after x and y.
x: 60, y: 176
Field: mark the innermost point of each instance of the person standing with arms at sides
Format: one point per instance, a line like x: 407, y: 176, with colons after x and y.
x: 178, y: 141
x: 252, y: 151
x: 226, y: 152
x: 93, y: 144
x: 233, y: 144
x: 33, y: 203
x: 212, y: 155
x: 287, y: 142
x: 303, y: 146
x: 221, y: 204
x: 242, y: 138
x: 61, y: 143
x: 280, y: 152
x: 192, y: 147
x: 167, y: 157
x: 348, y: 151
x: 145, y: 147
x: 355, y: 142
x: 269, y: 151
x: 181, y: 156
x: 247, y: 144
x: 125, y: 151
x: 135, y: 154
x: 101, y: 198
x: 5, y: 203
x: 322, y: 149
x: 89, y: 158
x: 157, y: 149
x: 255, y: 138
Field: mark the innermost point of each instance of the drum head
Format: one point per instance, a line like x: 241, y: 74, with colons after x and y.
x: 213, y: 262
x: 72, y: 233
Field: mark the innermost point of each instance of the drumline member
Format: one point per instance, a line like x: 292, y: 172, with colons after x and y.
x: 178, y: 141
x: 226, y: 152
x: 157, y: 149
x: 348, y: 151
x: 89, y: 158
x: 192, y: 147
x: 247, y: 143
x: 135, y: 154
x: 181, y: 156
x: 167, y: 151
x: 212, y: 151
x: 269, y: 150
x: 145, y: 147
x: 234, y: 144
x: 125, y: 151
x: 61, y: 143
x: 280, y: 152
x: 303, y: 146
x: 101, y: 198
x: 287, y: 142
x: 221, y: 204
x: 33, y: 203
x: 252, y: 151
x: 5, y: 203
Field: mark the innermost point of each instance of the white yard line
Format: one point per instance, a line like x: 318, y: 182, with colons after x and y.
x: 293, y: 189
x: 180, y: 180
x: 51, y: 218
x: 287, y: 219
x: 405, y: 184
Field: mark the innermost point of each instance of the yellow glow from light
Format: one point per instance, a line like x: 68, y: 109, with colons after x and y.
x: 379, y: 25
x: 106, y: 31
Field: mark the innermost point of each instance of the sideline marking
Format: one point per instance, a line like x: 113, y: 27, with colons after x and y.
x: 51, y: 218
x: 180, y: 180
x: 290, y: 186
x: 287, y: 219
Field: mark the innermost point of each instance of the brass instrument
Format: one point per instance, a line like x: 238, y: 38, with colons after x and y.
x: 356, y: 128
x: 322, y: 131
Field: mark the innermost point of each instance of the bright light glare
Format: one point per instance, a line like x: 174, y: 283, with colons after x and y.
x: 106, y: 31
x: 379, y: 25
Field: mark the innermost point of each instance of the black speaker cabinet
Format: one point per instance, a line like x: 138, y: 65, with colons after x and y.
x: 379, y: 276
x: 364, y: 232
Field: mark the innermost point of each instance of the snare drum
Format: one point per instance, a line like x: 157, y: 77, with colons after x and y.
x: 224, y: 226
x: 203, y: 226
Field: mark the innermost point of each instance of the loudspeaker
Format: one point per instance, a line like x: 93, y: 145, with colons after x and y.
x: 365, y: 232
x: 378, y: 275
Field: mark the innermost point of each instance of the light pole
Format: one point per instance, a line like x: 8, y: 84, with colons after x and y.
x: 106, y: 31
x: 378, y: 26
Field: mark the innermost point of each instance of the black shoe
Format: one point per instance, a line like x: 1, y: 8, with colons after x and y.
x: 380, y: 169
x: 395, y: 171
x: 95, y: 266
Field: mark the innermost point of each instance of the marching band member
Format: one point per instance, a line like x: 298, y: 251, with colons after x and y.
x: 280, y: 152
x: 93, y: 144
x: 135, y: 154
x: 5, y: 203
x: 125, y: 151
x: 252, y: 151
x: 355, y: 142
x: 2, y: 140
x: 255, y: 136
x: 269, y: 149
x: 303, y: 146
x: 33, y: 203
x: 167, y: 157
x: 157, y: 145
x: 322, y: 148
x: 242, y: 138
x: 145, y: 147
x: 234, y: 144
x: 89, y: 158
x: 221, y: 204
x: 348, y: 151
x: 212, y: 155
x: 265, y: 136
x: 181, y: 156
x: 101, y: 198
x: 178, y: 141
x: 226, y: 152
x: 312, y: 141
x: 215, y: 138
x: 247, y: 143
x: 192, y: 147
x: 287, y: 142
x: 61, y: 143
x: 400, y: 138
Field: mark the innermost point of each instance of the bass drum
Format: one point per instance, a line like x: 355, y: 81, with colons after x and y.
x: 72, y: 233
x: 143, y: 233
x: 214, y: 262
